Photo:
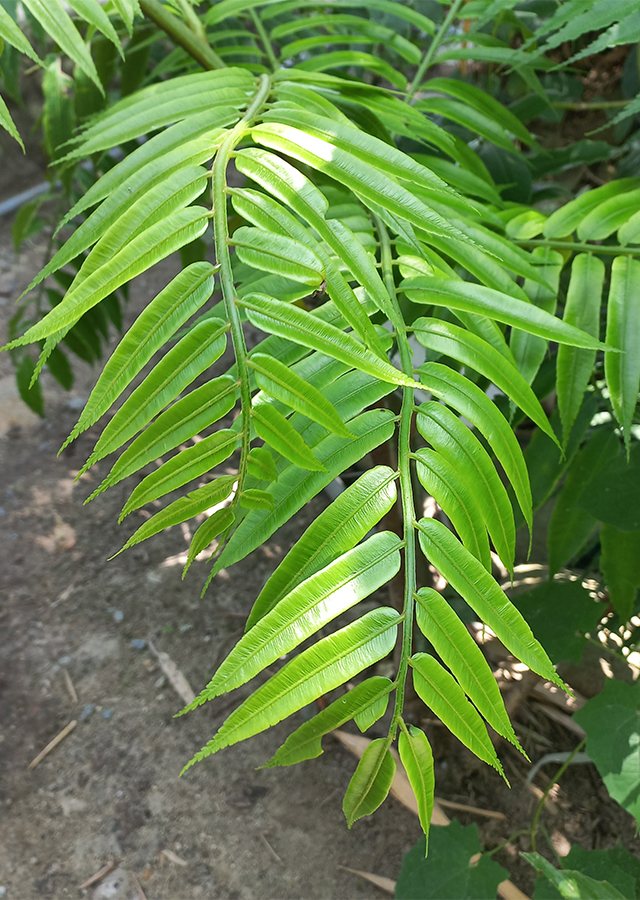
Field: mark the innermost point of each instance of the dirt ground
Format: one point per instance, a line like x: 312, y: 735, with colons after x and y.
x: 71, y: 625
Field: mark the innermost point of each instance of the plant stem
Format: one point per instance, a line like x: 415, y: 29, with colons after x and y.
x: 584, y: 248
x: 192, y: 19
x: 427, y: 59
x: 266, y: 41
x: 182, y: 35
x: 559, y: 774
x: 404, y: 466
x: 221, y: 234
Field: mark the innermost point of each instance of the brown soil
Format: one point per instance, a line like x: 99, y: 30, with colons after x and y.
x: 110, y: 791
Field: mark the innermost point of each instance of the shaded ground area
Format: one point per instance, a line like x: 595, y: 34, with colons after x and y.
x: 73, y: 623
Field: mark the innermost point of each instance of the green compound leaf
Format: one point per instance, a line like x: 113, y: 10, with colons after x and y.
x: 371, y: 782
x: 306, y: 741
x: 455, y: 646
x: 442, y: 694
x: 280, y: 434
x: 319, y: 669
x: 448, y: 873
x: 417, y: 758
x: 337, y: 529
x: 475, y: 585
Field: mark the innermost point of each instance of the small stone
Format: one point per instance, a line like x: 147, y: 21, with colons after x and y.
x: 187, y: 626
x: 3, y: 891
x: 138, y: 644
x: 160, y: 682
x: 107, y: 713
x: 76, y: 403
x: 1, y: 511
x: 86, y: 712
x: 118, y: 615
x: 64, y: 660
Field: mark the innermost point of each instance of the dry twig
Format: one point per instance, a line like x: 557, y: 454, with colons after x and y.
x: 98, y: 875
x: 54, y: 743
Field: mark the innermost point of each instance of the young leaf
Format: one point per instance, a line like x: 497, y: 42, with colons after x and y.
x: 582, y: 309
x: 371, y: 782
x: 337, y: 529
x: 442, y: 694
x: 217, y: 524
x: 622, y: 369
x: 276, y: 253
x: 455, y: 646
x: 468, y: 577
x: 278, y: 432
x: 283, y: 384
x: 417, y: 758
x: 316, y: 671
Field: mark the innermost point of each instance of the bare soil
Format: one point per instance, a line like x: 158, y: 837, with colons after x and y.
x: 110, y: 790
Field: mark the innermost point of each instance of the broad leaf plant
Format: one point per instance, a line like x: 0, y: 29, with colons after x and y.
x: 392, y: 284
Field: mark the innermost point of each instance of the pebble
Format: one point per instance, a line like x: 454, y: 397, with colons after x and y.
x: 3, y: 891
x: 107, y: 713
x: 86, y: 712
x: 64, y: 660
x: 118, y: 615
x: 1, y: 514
x: 138, y: 644
x: 76, y: 403
x: 186, y: 627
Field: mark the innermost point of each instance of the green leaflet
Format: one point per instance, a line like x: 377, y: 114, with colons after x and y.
x: 278, y: 254
x: 292, y: 491
x: 447, y: 434
x: 58, y: 25
x: 397, y: 43
x: 442, y: 694
x: 439, y: 475
x: 300, y: 326
x: 371, y: 714
x: 217, y: 524
x: 308, y: 607
x: 252, y: 498
x: 417, y: 758
x: 571, y: 883
x: 622, y: 370
x: 182, y: 468
x: 260, y: 465
x: 608, y: 216
x: 127, y: 10
x: 170, y: 309
x: 8, y: 124
x: 277, y: 431
x: 283, y: 384
x: 341, y: 59
x: 153, y: 245
x: 468, y: 348
x: 347, y: 168
x: 306, y: 741
x: 191, y: 356
x: 337, y: 529
x: 620, y: 564
x: 629, y: 233
x: 182, y: 421
x: 468, y: 577
x: 316, y: 671
x: 93, y: 13
x: 11, y: 33
x: 565, y: 221
x: 459, y: 178
x: 469, y: 117
x: 371, y: 782
x: 570, y: 526
x: 582, y: 309
x: 476, y: 298
x: 160, y: 202
x: 528, y: 349
x: 458, y: 650
x: 185, y: 508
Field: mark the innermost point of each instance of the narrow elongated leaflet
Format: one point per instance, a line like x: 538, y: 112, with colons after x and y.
x: 319, y: 669
x: 306, y: 741
x: 455, y: 495
x: 565, y: 221
x: 371, y: 782
x: 447, y: 434
x: 283, y: 384
x: 217, y: 524
x: 227, y: 8
x: 337, y: 529
x: 468, y: 577
x: 93, y: 13
x: 442, y: 693
x: 278, y: 432
x: 468, y: 348
x: 311, y: 605
x: 469, y: 117
x: 458, y: 650
x: 252, y: 498
x: 11, y: 33
x: 582, y: 309
x: 303, y: 328
x: 622, y: 370
x: 190, y: 463
x: 279, y: 254
x: 261, y: 465
x: 183, y: 509
x: 608, y: 216
x: 417, y: 758
x: 528, y: 349
x: 198, y: 350
x: 182, y: 421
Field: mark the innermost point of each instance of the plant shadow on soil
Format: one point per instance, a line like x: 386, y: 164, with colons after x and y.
x: 110, y: 790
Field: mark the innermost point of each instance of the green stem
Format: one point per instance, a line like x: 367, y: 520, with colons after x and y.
x: 221, y: 234
x: 182, y: 35
x: 266, y: 41
x: 584, y: 248
x: 559, y: 774
x: 192, y: 19
x: 427, y: 59
x: 404, y: 466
